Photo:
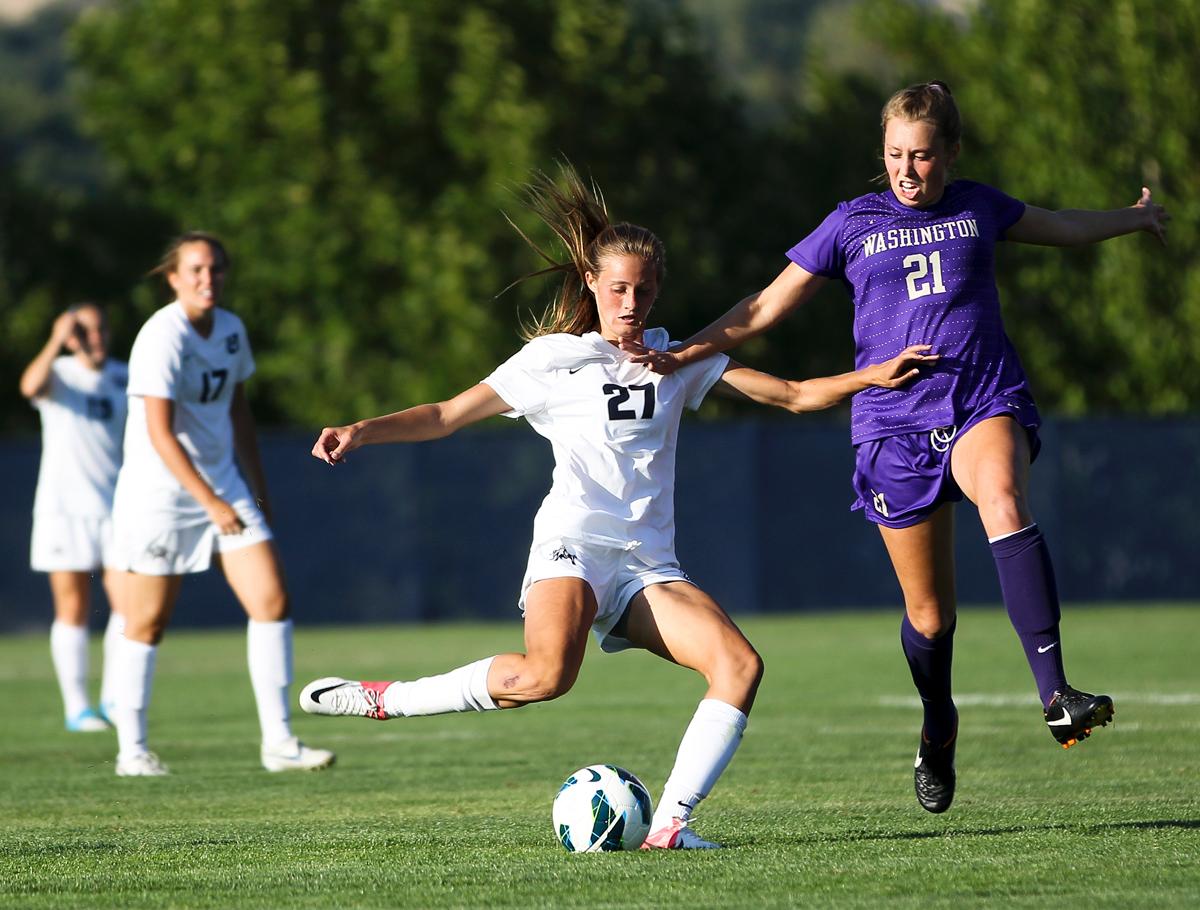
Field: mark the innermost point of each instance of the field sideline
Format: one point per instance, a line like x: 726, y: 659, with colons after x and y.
x: 817, y: 809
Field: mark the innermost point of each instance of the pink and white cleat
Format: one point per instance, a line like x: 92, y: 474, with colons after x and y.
x: 677, y: 836
x: 344, y: 697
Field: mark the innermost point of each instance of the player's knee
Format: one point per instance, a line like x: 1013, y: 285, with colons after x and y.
x: 542, y: 681
x: 546, y: 688
x: 270, y: 607
x: 930, y: 618
x: 749, y: 666
x: 740, y: 666
x: 1004, y: 507
x: 148, y: 630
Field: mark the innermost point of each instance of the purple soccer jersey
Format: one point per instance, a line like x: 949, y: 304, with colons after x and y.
x: 923, y: 276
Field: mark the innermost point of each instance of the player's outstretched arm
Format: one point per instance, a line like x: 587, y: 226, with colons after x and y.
x: 36, y: 376
x: 826, y: 391
x: 1071, y: 227
x: 417, y: 424
x: 751, y: 316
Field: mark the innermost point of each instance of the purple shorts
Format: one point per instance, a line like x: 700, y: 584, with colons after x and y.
x: 900, y: 481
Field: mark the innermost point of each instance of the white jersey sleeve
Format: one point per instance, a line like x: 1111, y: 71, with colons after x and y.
x: 246, y: 365
x: 524, y: 380
x: 156, y: 361
x: 701, y: 376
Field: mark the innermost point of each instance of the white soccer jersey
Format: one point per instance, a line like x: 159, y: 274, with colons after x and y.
x: 170, y: 359
x: 83, y: 416
x: 613, y: 426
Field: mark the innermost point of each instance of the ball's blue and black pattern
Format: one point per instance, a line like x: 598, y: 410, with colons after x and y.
x: 600, y: 809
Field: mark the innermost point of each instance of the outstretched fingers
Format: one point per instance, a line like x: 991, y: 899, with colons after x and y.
x: 1157, y: 216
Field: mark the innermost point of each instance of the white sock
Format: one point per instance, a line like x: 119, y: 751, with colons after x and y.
x: 69, y: 651
x: 133, y: 679
x: 113, y: 632
x: 269, y: 654
x: 706, y: 749
x: 464, y: 689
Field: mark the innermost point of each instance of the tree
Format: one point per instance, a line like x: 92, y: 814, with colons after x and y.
x: 1068, y: 107
x: 66, y: 235
x: 356, y: 157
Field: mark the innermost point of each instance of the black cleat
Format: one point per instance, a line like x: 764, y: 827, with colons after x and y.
x: 1072, y: 715
x: 933, y: 773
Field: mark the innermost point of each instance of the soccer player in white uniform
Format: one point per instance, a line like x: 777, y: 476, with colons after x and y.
x: 181, y: 499
x: 603, y: 553
x: 80, y: 397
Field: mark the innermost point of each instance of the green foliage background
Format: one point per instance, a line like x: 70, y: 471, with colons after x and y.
x: 357, y: 157
x: 1077, y: 105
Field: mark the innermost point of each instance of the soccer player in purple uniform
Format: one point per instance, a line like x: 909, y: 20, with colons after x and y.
x: 918, y: 259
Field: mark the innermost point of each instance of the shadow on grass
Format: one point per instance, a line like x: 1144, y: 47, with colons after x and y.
x: 1165, y: 823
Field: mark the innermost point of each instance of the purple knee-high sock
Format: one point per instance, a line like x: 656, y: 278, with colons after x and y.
x: 929, y: 661
x: 1031, y: 598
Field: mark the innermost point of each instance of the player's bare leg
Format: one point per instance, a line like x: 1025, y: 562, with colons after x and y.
x: 991, y: 464
x: 923, y: 558
x: 558, y: 614
x: 682, y: 624
x: 256, y: 577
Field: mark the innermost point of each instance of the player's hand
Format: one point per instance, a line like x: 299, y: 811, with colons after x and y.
x: 902, y: 368
x: 663, y: 362
x: 334, y: 442
x: 221, y: 514
x: 1154, y: 215
x: 64, y: 329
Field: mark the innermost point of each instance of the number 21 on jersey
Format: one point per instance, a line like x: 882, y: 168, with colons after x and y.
x: 922, y: 266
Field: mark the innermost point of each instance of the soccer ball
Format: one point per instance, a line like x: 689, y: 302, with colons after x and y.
x: 602, y: 808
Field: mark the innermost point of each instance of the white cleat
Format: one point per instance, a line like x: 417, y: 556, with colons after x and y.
x: 141, y: 764
x: 677, y: 836
x: 293, y: 755
x: 344, y: 697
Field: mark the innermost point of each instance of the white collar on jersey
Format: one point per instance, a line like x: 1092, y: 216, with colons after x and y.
x: 569, y: 352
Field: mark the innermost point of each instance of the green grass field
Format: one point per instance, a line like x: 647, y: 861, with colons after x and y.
x: 816, y: 810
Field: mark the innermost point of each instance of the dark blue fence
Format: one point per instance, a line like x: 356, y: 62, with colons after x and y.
x: 441, y: 530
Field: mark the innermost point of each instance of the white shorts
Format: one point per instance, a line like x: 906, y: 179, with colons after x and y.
x: 66, y: 543
x: 615, y: 577
x: 155, y: 543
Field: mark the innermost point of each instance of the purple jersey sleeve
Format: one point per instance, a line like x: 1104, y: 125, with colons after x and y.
x: 1006, y: 210
x: 821, y: 252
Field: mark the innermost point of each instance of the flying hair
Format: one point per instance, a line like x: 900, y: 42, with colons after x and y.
x: 576, y: 214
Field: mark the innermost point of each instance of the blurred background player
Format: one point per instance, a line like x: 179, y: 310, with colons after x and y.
x: 181, y: 499
x: 80, y: 397
x: 919, y: 261
x: 603, y: 552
